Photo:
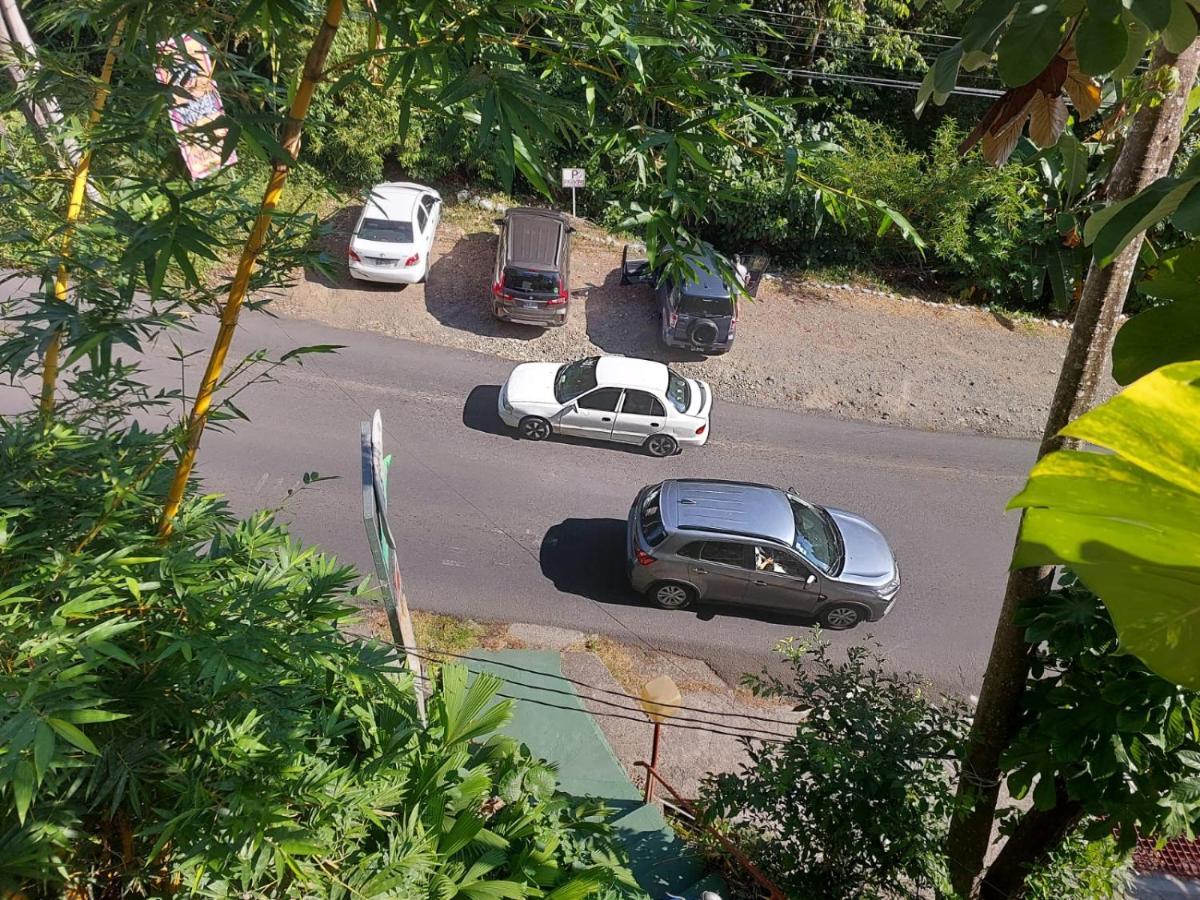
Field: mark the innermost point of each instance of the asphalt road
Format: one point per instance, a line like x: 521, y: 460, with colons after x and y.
x: 498, y: 529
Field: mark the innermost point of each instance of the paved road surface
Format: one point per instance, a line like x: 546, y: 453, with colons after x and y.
x: 497, y: 529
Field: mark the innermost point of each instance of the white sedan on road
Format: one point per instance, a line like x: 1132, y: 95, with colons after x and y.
x: 608, y: 398
x: 393, y: 239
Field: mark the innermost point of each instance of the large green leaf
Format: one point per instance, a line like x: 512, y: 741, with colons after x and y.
x: 1155, y: 338
x: 1101, y: 43
x: 1128, y: 523
x: 1030, y: 41
x: 1163, y: 334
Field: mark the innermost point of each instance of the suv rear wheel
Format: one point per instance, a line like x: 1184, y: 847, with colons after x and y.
x: 671, y: 595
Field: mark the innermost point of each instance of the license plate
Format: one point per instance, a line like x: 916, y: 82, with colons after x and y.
x: 529, y: 304
x: 382, y: 263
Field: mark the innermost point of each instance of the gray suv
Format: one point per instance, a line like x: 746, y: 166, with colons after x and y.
x: 533, y: 267
x: 750, y: 544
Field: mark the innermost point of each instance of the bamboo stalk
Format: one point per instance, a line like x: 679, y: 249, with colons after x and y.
x: 313, y: 66
x: 374, y: 41
x: 74, y: 207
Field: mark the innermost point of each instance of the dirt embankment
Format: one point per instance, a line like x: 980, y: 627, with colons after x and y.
x: 801, y: 345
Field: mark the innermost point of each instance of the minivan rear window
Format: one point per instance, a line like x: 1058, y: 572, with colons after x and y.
x: 530, y: 280
x: 386, y: 231
x: 691, y: 305
x: 652, y: 525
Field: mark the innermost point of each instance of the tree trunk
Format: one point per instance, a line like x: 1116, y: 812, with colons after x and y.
x: 42, y: 113
x: 1145, y: 156
x: 1038, y: 832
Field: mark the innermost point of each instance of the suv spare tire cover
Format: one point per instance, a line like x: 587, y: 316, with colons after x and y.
x: 704, y: 332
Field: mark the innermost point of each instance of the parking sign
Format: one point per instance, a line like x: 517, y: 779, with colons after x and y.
x: 573, y: 178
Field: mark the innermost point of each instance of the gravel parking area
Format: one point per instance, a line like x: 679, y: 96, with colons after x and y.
x: 801, y: 345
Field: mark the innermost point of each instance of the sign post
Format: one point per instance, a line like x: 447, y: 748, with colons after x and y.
x: 660, y: 699
x: 573, y: 178
x: 383, y: 549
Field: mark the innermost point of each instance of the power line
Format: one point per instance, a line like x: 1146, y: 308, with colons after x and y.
x: 781, y: 14
x: 640, y: 718
x: 695, y: 724
x: 734, y: 715
x: 760, y: 732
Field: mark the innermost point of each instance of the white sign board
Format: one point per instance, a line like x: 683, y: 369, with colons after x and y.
x: 573, y: 178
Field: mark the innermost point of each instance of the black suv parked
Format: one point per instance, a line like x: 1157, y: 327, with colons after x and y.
x: 531, y: 280
x: 700, y: 312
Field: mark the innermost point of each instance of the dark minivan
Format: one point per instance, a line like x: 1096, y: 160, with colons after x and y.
x: 533, y: 267
x: 698, y: 312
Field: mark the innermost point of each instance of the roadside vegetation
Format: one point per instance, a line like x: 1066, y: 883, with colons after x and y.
x: 159, y: 733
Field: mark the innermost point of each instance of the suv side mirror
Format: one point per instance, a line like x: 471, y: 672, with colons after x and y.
x: 498, y: 221
x: 636, y: 270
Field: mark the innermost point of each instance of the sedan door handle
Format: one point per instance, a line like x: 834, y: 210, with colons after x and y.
x: 761, y: 583
x: 700, y: 571
x: 653, y: 424
x: 606, y: 418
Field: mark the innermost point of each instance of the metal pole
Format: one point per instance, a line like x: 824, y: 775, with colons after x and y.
x: 574, y: 215
x: 649, y: 795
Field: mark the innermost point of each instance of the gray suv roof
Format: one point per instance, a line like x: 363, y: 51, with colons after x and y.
x: 729, y: 507
x: 534, y: 237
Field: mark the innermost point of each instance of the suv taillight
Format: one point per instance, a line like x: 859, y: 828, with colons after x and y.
x: 354, y: 257
x: 498, y: 289
x: 672, y: 318
x: 643, y: 558
x: 559, y: 299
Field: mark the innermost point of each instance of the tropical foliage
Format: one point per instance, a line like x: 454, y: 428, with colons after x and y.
x: 1128, y: 522
x: 1100, y: 732
x: 190, y: 717
x: 856, y: 803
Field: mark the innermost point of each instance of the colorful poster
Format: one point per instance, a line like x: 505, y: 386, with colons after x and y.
x: 189, y: 69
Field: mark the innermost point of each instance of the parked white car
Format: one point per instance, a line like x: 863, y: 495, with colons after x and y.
x: 608, y: 398
x: 393, y: 239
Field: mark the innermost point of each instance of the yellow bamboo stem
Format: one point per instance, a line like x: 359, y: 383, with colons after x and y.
x: 374, y: 41
x: 74, y: 208
x: 313, y: 65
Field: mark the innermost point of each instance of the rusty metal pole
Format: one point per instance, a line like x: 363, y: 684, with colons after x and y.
x: 649, y: 795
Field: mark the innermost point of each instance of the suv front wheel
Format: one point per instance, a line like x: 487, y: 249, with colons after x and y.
x: 671, y: 595
x: 840, y: 616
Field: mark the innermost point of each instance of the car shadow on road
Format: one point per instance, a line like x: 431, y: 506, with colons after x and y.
x: 586, y: 557
x: 457, y: 293
x: 479, y: 412
x: 623, y: 319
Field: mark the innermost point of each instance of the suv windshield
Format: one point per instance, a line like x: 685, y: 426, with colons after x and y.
x: 678, y: 391
x: 691, y: 305
x: 816, y: 536
x: 530, y: 280
x: 575, y: 378
x: 386, y: 231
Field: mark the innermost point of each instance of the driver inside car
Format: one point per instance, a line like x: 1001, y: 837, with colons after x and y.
x: 766, y: 563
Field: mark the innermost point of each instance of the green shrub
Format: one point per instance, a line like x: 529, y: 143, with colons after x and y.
x: 188, y: 717
x: 856, y: 803
x: 1093, y: 869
